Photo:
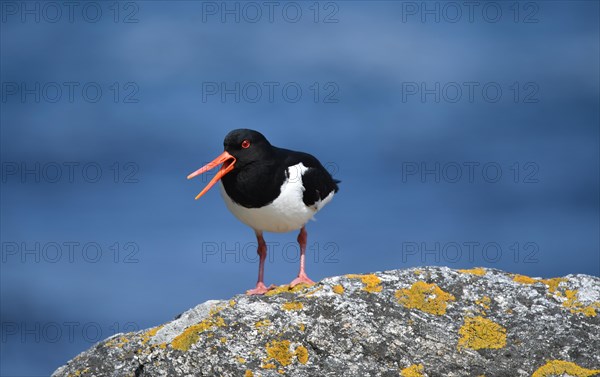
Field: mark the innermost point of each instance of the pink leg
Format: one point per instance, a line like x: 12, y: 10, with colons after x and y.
x: 302, y: 278
x: 262, y: 255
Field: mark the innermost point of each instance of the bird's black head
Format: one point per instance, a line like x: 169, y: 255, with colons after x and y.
x: 242, y: 147
x: 246, y: 146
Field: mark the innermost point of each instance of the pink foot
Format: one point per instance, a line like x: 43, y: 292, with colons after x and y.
x: 260, y: 289
x: 301, y: 279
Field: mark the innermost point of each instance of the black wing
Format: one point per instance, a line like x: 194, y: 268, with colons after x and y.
x: 317, y: 181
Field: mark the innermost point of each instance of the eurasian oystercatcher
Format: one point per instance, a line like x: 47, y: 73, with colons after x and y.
x: 270, y: 189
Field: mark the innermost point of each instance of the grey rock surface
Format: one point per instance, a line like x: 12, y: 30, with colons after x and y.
x: 430, y: 321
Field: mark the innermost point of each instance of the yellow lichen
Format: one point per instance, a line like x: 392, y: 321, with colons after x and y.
x: 150, y: 333
x: 553, y: 283
x: 484, y: 302
x: 479, y: 332
x: 301, y: 354
x: 240, y: 360
x: 415, y: 370
x: 417, y: 272
x: 524, y: 279
x: 117, y: 342
x: 372, y: 282
x: 301, y: 327
x: 79, y: 372
x: 302, y: 287
x: 261, y: 325
x: 216, y: 309
x: 426, y: 297
x: 248, y: 373
x: 571, y: 302
x: 310, y: 293
x: 223, y: 340
x: 577, y: 307
x: 123, y: 340
x: 559, y: 367
x: 231, y: 303
x: 474, y: 271
x: 189, y: 336
x: 338, y: 289
x: 279, y: 350
x: 294, y: 305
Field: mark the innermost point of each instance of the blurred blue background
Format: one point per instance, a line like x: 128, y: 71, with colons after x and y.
x: 371, y: 89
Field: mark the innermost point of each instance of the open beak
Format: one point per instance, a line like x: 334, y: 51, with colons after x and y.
x: 224, y: 158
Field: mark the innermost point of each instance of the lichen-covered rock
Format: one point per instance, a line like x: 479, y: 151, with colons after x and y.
x: 412, y: 323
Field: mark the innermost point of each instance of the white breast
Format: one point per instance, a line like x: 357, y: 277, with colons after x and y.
x: 286, y: 213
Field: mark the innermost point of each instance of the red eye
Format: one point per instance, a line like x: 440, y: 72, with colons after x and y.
x: 245, y: 144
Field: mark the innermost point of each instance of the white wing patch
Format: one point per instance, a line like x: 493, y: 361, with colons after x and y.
x: 286, y: 213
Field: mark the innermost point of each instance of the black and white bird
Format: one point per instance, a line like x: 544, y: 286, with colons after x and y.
x: 270, y: 189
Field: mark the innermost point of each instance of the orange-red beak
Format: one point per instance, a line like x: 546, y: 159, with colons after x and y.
x: 224, y: 158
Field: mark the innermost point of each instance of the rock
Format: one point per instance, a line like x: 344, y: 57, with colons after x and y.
x: 431, y: 321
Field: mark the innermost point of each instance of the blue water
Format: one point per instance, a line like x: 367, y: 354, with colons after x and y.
x: 461, y: 139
